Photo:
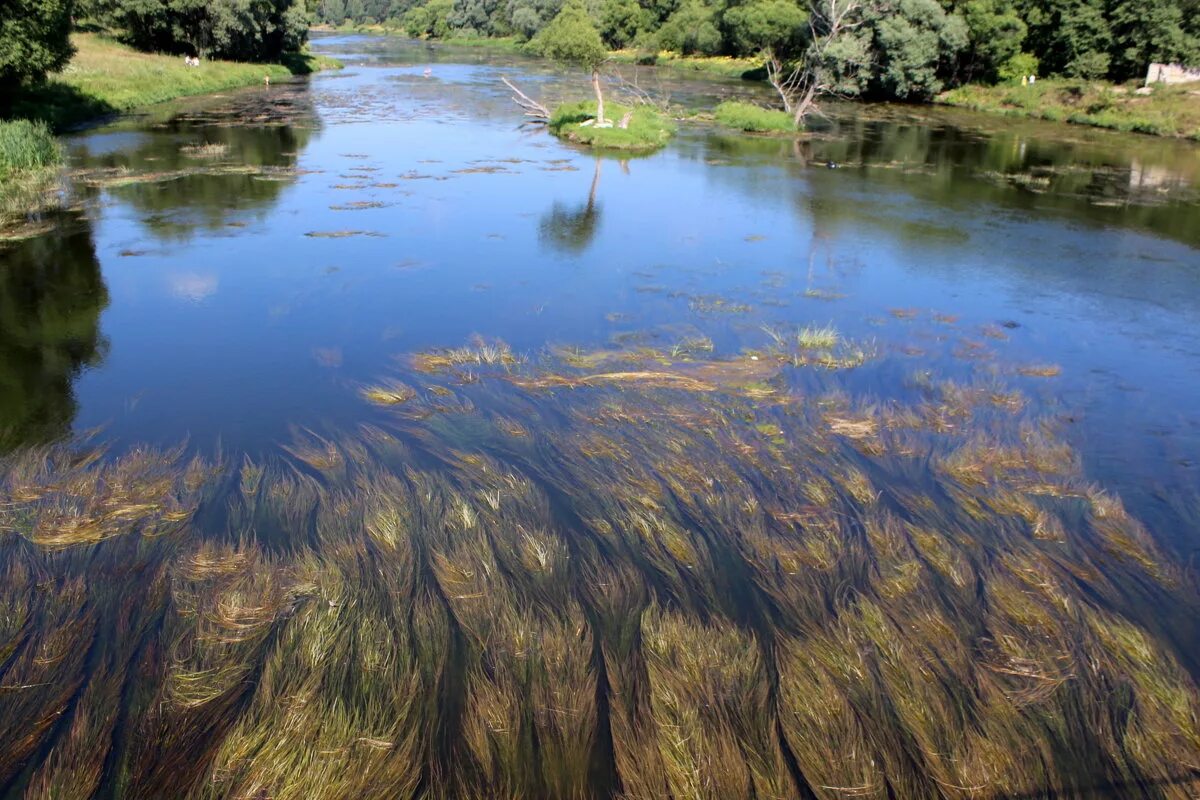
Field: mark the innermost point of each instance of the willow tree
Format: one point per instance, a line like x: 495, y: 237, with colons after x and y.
x: 572, y: 38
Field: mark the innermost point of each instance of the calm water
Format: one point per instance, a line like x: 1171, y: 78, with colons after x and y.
x: 239, y: 267
x: 204, y: 305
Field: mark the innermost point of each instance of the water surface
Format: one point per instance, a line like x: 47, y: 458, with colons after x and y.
x: 241, y: 268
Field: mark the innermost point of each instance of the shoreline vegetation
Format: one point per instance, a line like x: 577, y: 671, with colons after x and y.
x: 30, y: 159
x: 1169, y: 111
x: 105, y: 78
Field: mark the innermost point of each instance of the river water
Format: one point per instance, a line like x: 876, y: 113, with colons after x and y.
x: 237, y: 270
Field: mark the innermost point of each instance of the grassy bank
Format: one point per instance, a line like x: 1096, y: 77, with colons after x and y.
x: 1165, y: 111
x: 106, y: 77
x: 720, y: 66
x: 647, y: 130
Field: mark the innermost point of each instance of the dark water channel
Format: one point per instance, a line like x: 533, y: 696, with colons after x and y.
x: 239, y: 269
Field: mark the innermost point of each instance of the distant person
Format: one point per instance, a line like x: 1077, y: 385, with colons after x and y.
x: 1024, y: 80
x: 1032, y: 80
x: 267, y: 81
x: 428, y: 72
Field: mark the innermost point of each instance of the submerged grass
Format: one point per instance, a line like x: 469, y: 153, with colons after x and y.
x: 682, y: 578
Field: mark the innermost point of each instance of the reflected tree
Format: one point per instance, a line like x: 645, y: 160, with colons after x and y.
x: 51, y: 297
x: 199, y: 168
x: 571, y: 230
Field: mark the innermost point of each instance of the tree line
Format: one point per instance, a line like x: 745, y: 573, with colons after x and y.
x: 35, y: 34
x: 905, y: 49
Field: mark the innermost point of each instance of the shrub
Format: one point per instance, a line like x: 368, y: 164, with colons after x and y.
x: 752, y: 118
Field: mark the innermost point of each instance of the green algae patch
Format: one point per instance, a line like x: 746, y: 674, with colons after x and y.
x: 645, y: 128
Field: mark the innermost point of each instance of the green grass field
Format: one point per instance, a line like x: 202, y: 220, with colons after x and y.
x: 106, y: 77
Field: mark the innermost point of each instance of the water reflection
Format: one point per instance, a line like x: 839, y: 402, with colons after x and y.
x: 51, y: 298
x: 570, y: 229
x: 205, y: 168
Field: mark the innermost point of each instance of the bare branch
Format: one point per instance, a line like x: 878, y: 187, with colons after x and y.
x: 531, y: 107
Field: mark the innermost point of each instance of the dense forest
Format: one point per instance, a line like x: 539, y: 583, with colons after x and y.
x: 907, y: 49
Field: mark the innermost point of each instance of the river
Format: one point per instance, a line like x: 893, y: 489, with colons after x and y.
x: 382, y: 282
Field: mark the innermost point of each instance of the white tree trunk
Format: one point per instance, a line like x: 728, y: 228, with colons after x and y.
x: 806, y: 104
x: 600, y: 121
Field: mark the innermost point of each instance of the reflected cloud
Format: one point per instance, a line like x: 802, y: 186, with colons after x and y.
x: 194, y: 287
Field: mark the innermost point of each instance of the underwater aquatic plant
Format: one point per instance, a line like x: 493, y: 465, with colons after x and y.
x: 692, y: 575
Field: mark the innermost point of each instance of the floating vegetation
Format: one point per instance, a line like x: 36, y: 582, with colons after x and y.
x: 479, y: 353
x: 1040, y: 370
x: 485, y: 169
x: 694, y: 574
x: 342, y: 234
x: 714, y: 304
x: 813, y: 338
x: 358, y: 205
x: 206, y: 150
x: 389, y: 394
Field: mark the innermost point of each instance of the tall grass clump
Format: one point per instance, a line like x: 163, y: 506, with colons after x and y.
x: 29, y: 161
x: 27, y: 146
x: 753, y: 119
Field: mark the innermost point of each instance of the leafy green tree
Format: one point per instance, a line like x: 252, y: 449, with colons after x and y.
x: 34, y: 39
x: 572, y: 39
x: 778, y: 25
x: 526, y: 17
x: 242, y: 30
x: 621, y: 21
x: 480, y: 17
x: 692, y: 29
x: 355, y: 10
x: 1069, y: 37
x: 333, y: 11
x: 835, y: 57
x: 914, y: 39
x: 1148, y: 32
x: 429, y: 20
x: 996, y: 32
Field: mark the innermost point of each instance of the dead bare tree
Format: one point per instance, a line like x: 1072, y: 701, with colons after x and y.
x: 801, y: 83
x: 531, y: 107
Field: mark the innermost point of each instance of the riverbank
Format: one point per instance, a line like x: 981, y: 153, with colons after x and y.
x: 1172, y: 111
x: 718, y: 66
x: 106, y: 78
